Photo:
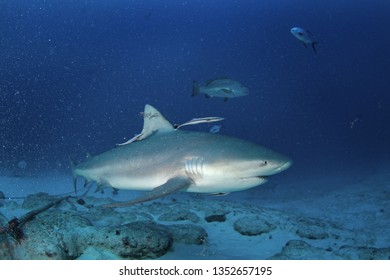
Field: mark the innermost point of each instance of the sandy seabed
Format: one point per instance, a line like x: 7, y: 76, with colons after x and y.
x: 350, y: 221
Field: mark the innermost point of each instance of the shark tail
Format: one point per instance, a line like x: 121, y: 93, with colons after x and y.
x: 313, y: 45
x: 195, y: 88
x: 73, y: 167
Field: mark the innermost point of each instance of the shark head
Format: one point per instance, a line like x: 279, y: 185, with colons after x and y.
x: 235, y: 164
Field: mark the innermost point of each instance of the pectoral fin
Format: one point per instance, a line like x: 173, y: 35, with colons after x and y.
x: 100, y: 186
x: 171, y: 186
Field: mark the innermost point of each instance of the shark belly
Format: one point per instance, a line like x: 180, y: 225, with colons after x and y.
x: 134, y: 183
x: 226, y: 185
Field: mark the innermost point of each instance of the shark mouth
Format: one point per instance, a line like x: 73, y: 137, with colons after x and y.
x: 262, y: 178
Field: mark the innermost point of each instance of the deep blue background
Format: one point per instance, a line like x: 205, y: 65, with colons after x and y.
x: 74, y: 76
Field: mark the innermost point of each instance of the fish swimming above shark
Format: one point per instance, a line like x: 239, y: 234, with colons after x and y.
x: 168, y: 160
x: 225, y: 88
x: 305, y: 37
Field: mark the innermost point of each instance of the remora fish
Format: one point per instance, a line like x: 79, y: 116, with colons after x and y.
x: 225, y: 88
x: 199, y: 121
x: 168, y: 160
x: 305, y: 37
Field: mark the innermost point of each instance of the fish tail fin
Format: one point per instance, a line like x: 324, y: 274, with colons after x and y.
x: 195, y: 88
x: 313, y: 45
x: 73, y: 167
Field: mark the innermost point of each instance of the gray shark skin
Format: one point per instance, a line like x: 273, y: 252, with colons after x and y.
x: 165, y: 160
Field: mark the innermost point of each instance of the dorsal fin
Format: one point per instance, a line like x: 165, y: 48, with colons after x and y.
x: 154, y: 122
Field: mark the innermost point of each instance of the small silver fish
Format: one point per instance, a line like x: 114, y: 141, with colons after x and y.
x: 216, y: 129
x: 305, y: 37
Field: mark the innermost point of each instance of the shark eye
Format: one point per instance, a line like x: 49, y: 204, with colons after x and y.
x: 263, y: 163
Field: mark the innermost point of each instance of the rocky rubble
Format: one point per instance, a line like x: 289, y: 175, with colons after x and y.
x: 78, y: 228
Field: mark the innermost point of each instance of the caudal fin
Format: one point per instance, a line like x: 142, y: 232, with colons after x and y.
x: 313, y: 45
x: 195, y: 88
x: 73, y: 167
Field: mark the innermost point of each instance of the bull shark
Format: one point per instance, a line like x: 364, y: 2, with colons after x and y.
x: 166, y: 160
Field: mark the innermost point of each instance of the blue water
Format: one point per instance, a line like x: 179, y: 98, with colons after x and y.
x: 75, y: 75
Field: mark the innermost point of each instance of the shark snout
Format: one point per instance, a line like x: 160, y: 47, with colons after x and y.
x: 284, y: 166
x: 275, y: 167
